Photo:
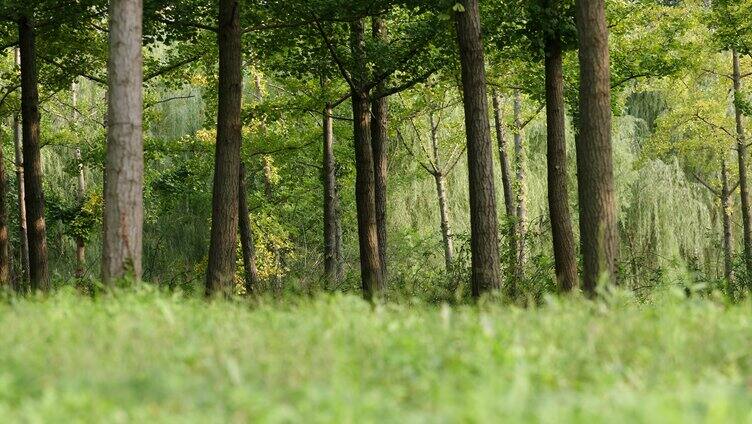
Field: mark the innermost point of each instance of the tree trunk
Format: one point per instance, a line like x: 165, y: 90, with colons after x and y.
x: 598, y: 232
x: 728, y: 241
x: 246, y: 236
x: 438, y: 175
x: 379, y: 143
x: 124, y: 167
x: 24, y: 278
x: 506, y: 181
x: 80, y: 195
x: 330, y: 199
x: 5, y: 280
x: 741, y: 148
x: 224, y: 227
x: 365, y: 191
x: 558, y: 197
x: 484, y: 242
x: 34, y: 195
x: 520, y: 158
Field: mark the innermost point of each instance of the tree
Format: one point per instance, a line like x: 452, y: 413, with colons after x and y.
x: 484, y: 238
x: 124, y: 168
x: 34, y: 194
x: 598, y: 231
x: 556, y: 154
x: 220, y: 271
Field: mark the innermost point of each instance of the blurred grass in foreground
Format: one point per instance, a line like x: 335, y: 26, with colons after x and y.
x: 148, y: 357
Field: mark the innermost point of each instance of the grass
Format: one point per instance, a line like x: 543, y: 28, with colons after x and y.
x: 146, y: 357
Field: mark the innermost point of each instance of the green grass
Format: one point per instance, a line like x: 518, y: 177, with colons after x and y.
x: 143, y: 357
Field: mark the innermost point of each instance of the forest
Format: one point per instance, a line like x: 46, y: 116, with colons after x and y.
x: 375, y: 211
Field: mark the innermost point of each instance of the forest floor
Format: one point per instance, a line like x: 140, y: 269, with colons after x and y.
x: 144, y: 357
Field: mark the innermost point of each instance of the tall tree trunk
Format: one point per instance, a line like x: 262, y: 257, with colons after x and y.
x: 34, y: 195
x: 741, y: 148
x: 124, y: 167
x: 438, y: 175
x: 484, y: 244
x: 246, y: 236
x: 595, y: 177
x: 728, y: 241
x: 379, y: 143
x: 558, y: 197
x: 80, y: 193
x: 330, y: 199
x: 24, y: 278
x: 520, y: 159
x: 365, y: 184
x: 5, y: 280
x: 220, y: 271
x: 506, y: 181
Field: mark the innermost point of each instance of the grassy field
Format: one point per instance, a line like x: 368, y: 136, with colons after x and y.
x: 143, y: 357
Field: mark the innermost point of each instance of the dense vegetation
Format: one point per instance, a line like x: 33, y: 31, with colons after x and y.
x: 544, y: 203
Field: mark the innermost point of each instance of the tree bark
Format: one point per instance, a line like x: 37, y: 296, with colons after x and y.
x: 379, y: 143
x: 224, y: 227
x: 728, y: 241
x: 438, y: 175
x: 34, y: 195
x: 124, y: 167
x: 741, y: 148
x: 520, y: 159
x: 24, y: 278
x: 598, y: 232
x: 484, y: 242
x: 246, y: 236
x: 365, y: 185
x: 506, y: 181
x: 5, y: 280
x: 565, y: 261
x: 330, y: 199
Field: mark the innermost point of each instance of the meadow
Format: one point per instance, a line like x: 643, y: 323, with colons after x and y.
x: 145, y: 356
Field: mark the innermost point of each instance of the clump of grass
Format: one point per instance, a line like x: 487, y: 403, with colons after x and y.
x: 149, y: 357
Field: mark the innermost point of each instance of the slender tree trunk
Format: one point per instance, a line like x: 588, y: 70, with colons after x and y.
x: 595, y: 177
x: 340, y: 260
x: 5, y: 280
x: 379, y: 143
x: 519, y: 153
x: 438, y: 175
x: 246, y: 236
x: 34, y: 195
x: 741, y: 148
x: 80, y: 194
x: 224, y: 227
x: 24, y: 278
x: 556, y: 155
x: 728, y: 241
x: 124, y: 168
x: 330, y: 199
x: 484, y: 242
x: 81, y: 197
x: 365, y: 185
x: 506, y: 181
